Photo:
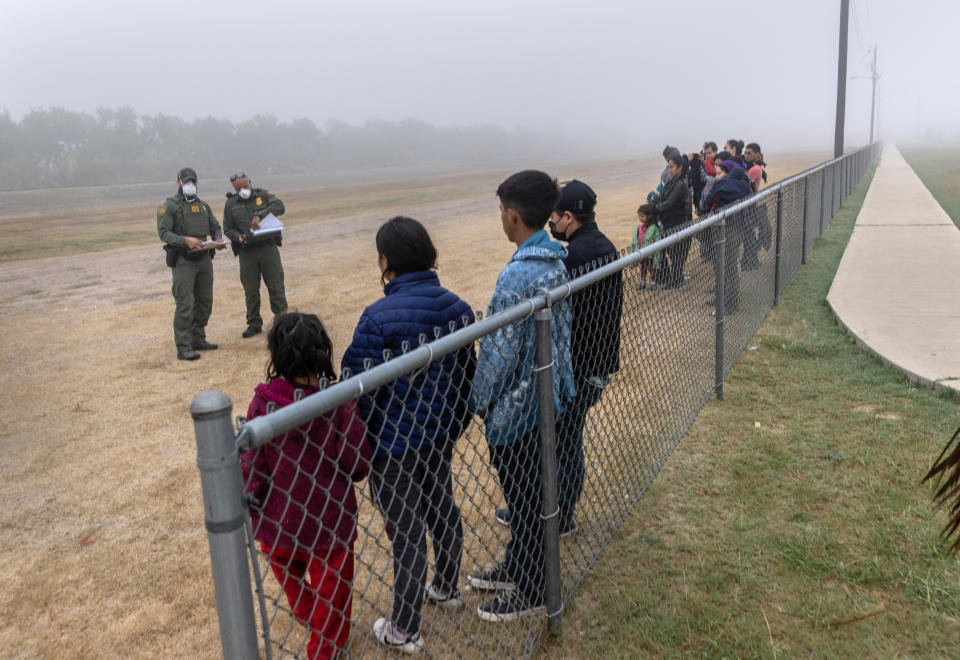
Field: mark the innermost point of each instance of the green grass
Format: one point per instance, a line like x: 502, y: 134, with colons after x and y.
x: 939, y: 168
x: 810, y: 516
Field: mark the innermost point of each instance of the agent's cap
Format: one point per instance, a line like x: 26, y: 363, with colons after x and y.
x: 576, y: 197
x: 187, y: 174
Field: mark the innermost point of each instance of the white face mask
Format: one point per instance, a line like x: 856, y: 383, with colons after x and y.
x: 189, y: 189
x: 245, y: 193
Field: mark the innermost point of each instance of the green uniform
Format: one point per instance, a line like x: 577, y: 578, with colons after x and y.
x: 178, y: 218
x: 257, y: 258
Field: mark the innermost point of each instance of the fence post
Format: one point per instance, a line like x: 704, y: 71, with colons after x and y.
x: 548, y: 460
x: 823, y: 198
x: 720, y: 253
x: 803, y: 223
x: 776, y: 262
x: 849, y: 177
x: 844, y: 180
x: 836, y: 193
x: 225, y: 514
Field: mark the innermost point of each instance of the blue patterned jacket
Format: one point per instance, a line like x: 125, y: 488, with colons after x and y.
x: 505, y: 388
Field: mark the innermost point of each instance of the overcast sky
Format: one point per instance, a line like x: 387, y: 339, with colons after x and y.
x: 652, y: 72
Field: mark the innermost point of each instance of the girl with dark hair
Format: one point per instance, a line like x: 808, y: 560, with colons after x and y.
x: 735, y: 147
x: 648, y: 231
x: 413, y: 425
x: 305, y: 514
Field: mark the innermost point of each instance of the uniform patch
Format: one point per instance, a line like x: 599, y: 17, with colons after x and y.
x: 195, y: 208
x: 162, y: 210
x: 259, y: 202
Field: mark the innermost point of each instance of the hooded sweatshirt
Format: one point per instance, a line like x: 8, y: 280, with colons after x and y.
x: 729, y: 189
x: 505, y: 388
x: 304, y: 478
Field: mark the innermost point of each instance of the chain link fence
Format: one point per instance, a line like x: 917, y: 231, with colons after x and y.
x: 452, y: 496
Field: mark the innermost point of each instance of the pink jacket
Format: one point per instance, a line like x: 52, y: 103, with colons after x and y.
x: 304, y: 479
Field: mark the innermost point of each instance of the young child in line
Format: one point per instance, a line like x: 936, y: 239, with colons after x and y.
x: 649, y: 231
x: 305, y: 516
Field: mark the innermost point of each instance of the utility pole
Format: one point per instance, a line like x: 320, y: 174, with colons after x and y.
x: 873, y: 96
x: 841, y: 79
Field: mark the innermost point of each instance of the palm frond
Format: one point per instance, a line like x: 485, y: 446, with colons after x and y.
x: 946, y: 473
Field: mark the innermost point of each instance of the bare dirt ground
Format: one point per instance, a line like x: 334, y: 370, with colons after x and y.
x: 103, y: 552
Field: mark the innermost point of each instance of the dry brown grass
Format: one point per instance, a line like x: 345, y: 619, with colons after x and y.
x: 104, y: 552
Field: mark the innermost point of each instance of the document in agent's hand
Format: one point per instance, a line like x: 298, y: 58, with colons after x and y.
x: 269, y: 226
x: 209, y: 245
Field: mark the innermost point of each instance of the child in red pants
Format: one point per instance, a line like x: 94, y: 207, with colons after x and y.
x: 306, y: 510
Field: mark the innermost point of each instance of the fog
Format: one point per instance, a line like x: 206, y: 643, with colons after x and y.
x: 618, y: 77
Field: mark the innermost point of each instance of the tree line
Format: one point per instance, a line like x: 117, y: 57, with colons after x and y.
x: 56, y: 147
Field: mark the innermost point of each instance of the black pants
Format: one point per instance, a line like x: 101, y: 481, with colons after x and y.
x: 676, y: 254
x: 570, y: 463
x: 518, y: 467
x: 411, y: 491
x: 731, y: 265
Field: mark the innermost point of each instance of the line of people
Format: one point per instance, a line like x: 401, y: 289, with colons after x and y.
x: 402, y: 436
x: 704, y: 183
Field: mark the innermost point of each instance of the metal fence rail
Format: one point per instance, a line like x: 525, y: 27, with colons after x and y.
x: 327, y: 555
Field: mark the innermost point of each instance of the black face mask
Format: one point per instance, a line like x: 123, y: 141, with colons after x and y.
x: 559, y: 235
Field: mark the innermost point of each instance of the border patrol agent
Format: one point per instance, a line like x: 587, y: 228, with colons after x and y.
x: 184, y: 221
x: 244, y: 209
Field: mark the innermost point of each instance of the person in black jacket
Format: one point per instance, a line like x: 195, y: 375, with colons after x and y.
x: 731, y: 186
x: 594, y: 337
x: 674, y: 209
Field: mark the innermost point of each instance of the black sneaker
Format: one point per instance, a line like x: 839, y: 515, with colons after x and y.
x: 503, y: 516
x: 251, y: 331
x: 493, y: 578
x: 510, y: 605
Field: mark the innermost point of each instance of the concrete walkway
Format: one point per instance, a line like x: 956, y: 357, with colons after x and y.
x: 897, y: 290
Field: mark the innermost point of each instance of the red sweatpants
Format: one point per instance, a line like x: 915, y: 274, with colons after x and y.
x: 324, y: 605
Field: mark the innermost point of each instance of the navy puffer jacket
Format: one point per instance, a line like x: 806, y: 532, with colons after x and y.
x: 729, y: 189
x: 426, y: 407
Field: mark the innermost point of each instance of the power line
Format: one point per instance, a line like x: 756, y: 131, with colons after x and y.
x: 856, y: 27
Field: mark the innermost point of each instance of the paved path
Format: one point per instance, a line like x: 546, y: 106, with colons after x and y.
x: 897, y: 290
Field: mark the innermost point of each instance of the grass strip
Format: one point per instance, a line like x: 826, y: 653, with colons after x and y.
x: 939, y: 168
x: 790, y: 521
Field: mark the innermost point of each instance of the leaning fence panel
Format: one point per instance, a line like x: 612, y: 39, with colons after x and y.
x: 402, y: 508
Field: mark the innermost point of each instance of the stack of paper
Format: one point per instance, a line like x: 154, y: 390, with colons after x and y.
x: 269, y: 226
x: 209, y: 245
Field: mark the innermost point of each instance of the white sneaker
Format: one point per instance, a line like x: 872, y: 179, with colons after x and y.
x: 387, y: 635
x: 450, y: 601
